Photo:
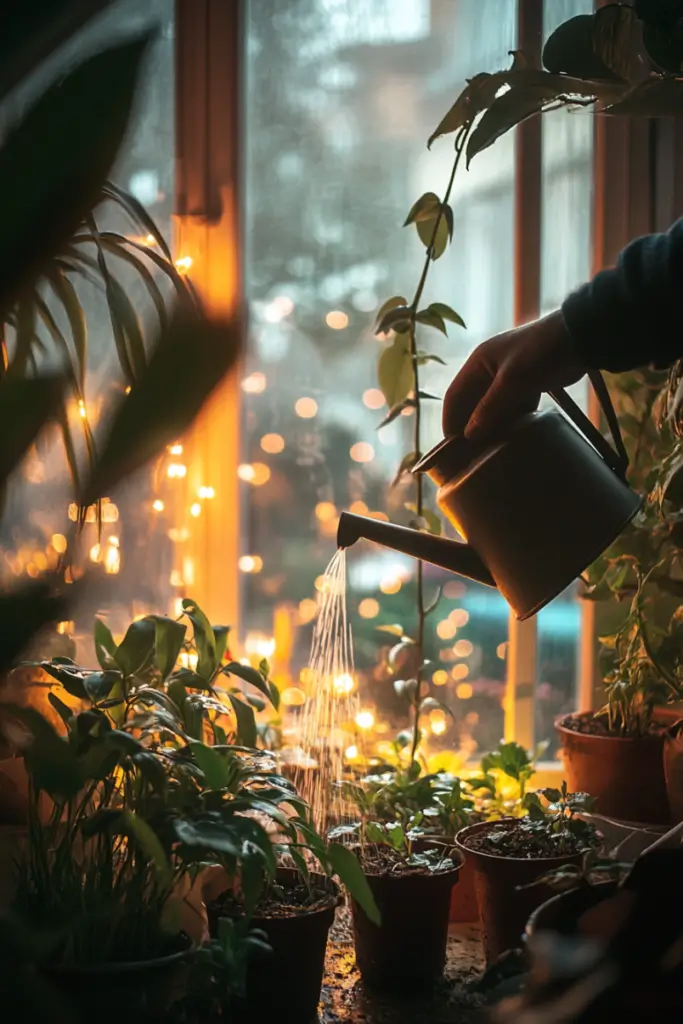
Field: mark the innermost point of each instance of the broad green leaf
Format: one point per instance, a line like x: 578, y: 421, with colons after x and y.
x: 430, y: 318
x: 137, y: 828
x: 50, y: 760
x: 63, y: 710
x: 72, y: 135
x: 447, y: 313
x: 478, y: 94
x: 397, y: 319
x: 426, y: 208
x: 137, y: 647
x: 221, y: 634
x: 395, y: 371
x: 506, y: 112
x: 395, y: 300
x: 215, y: 769
x: 204, y: 639
x: 105, y: 646
x: 347, y: 867
x: 73, y: 680
x: 437, y: 240
x: 246, y: 722
x: 252, y: 676
x: 169, y: 637
x: 100, y: 685
x: 163, y: 404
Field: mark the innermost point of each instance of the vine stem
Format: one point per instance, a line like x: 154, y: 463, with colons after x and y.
x: 460, y: 141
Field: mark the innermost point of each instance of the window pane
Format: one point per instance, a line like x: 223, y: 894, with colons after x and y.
x: 342, y: 95
x: 134, y: 551
x: 566, y: 263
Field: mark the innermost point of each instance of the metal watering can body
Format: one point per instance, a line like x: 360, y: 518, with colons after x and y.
x: 535, y: 507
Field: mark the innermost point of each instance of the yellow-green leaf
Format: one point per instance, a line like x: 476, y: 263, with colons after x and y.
x: 395, y: 371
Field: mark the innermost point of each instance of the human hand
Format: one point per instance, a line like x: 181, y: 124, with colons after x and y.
x: 505, y: 377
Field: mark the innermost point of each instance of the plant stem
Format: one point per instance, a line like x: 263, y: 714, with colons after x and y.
x: 460, y: 141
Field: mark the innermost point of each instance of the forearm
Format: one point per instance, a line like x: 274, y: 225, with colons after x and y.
x: 632, y: 315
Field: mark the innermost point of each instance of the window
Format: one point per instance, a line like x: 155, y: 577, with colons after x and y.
x: 341, y: 99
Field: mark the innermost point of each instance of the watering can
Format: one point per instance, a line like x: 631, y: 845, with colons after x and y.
x: 535, y: 505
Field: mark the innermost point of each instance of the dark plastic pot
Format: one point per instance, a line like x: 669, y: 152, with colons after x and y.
x: 673, y: 772
x: 285, y: 984
x: 504, y: 909
x: 143, y: 990
x: 624, y: 774
x: 464, y: 908
x: 407, y: 952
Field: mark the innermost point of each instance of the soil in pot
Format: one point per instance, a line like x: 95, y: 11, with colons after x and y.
x: 406, y: 953
x: 285, y: 983
x: 625, y: 774
x: 502, y: 863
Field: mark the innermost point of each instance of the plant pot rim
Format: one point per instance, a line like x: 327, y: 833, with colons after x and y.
x: 335, y: 893
x: 123, y: 966
x: 453, y: 851
x: 605, y: 888
x: 655, y: 737
x: 482, y: 826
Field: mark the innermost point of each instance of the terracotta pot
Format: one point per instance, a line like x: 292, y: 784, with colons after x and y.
x: 673, y: 772
x: 624, y: 774
x: 464, y: 908
x: 503, y: 908
x: 407, y: 951
x: 286, y: 982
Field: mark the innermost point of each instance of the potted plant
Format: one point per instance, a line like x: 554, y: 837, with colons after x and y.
x: 511, y: 853
x: 294, y: 909
x: 616, y: 753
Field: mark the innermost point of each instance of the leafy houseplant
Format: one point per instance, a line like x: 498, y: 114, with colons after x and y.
x: 509, y: 854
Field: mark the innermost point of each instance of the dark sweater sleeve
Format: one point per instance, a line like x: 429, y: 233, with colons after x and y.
x: 632, y: 315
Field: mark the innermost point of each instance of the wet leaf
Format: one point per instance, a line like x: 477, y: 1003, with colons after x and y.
x: 169, y: 637
x: 136, y: 649
x: 395, y: 371
x: 215, y: 769
x: 255, y: 678
x: 246, y: 733
x: 347, y: 867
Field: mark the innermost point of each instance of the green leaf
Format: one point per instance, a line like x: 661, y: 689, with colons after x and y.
x: 105, y: 646
x: 447, y: 313
x: 426, y: 357
x: 252, y: 676
x: 395, y: 300
x: 100, y: 685
x: 72, y: 679
x: 398, y: 319
x: 430, y: 519
x: 169, y: 637
x: 438, y: 241
x: 478, y: 94
x: 136, y: 649
x: 72, y: 134
x: 246, y: 723
x: 395, y: 371
x: 137, y: 828
x: 425, y: 209
x: 346, y: 866
x: 448, y: 216
x: 430, y: 318
x: 615, y: 42
x: 204, y: 639
x: 63, y: 710
x: 215, y: 769
x: 221, y: 634
x: 506, y: 112
x: 163, y: 404
x: 393, y: 414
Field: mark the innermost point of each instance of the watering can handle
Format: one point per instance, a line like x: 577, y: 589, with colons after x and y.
x: 616, y: 460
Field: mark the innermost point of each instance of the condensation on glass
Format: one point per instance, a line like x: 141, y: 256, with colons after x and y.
x: 133, y: 550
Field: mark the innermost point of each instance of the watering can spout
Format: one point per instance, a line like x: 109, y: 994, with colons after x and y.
x: 454, y: 556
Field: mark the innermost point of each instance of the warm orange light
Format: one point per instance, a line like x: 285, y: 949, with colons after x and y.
x: 95, y: 553
x: 373, y: 398
x: 362, y: 452
x: 308, y: 609
x: 440, y: 678
x: 446, y: 630
x: 184, y: 264
x: 250, y: 563
x: 82, y: 410
x: 359, y: 508
x: 112, y: 557
x: 196, y: 509
x: 459, y: 617
x: 351, y: 753
x: 463, y: 648
x: 437, y: 721
x: 460, y: 671
x: 343, y: 684
x: 246, y: 472
x: 365, y: 719
x: 177, y: 471
x: 261, y: 474
x: 368, y: 608
x: 110, y: 512
x: 392, y: 585
x: 273, y: 444
x: 293, y: 697
x: 176, y: 449
x: 337, y: 320
x: 325, y: 511
x: 306, y: 408
x: 502, y: 651
x: 464, y: 691
x: 206, y: 493
x: 254, y: 384
x: 59, y: 543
